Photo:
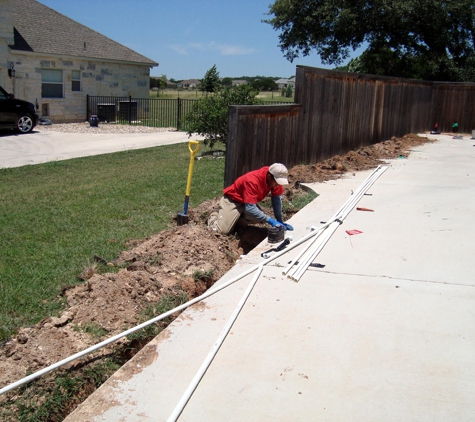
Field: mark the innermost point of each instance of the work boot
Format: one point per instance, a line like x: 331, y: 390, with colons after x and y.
x: 213, y: 220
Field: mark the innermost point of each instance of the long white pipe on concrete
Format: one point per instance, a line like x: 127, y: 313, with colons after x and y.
x: 208, y: 293
x: 317, y: 233
x: 314, y: 249
x: 347, y: 205
x: 164, y: 315
x: 327, y: 229
x: 212, y: 353
x: 300, y: 269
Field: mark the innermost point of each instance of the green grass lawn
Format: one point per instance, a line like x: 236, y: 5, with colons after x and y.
x: 54, y: 217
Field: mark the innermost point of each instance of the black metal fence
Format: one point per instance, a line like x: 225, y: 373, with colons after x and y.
x: 152, y: 112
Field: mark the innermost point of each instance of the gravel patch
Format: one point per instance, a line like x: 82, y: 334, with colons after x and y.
x: 85, y: 127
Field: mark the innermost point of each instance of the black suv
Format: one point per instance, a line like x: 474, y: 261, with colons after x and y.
x: 16, y: 114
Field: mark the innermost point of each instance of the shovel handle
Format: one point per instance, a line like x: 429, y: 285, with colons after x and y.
x: 195, y: 150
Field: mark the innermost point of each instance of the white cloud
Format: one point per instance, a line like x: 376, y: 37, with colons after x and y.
x: 224, y: 49
x: 234, y: 50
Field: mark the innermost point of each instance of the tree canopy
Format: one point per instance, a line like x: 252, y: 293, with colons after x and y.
x: 160, y: 83
x: 425, y: 39
x: 210, y: 82
x: 227, y: 81
x: 264, y: 84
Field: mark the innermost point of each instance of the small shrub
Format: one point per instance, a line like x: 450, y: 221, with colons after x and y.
x: 209, y: 116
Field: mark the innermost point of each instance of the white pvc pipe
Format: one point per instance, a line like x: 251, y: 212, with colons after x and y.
x: 129, y: 331
x: 212, y: 353
x: 166, y: 314
x: 317, y: 233
x: 356, y: 196
x: 314, y: 252
x: 297, y: 272
x: 328, y: 229
x: 314, y: 249
x: 348, y: 205
x: 151, y: 321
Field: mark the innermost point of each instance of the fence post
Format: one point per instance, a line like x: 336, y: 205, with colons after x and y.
x: 178, y: 120
x: 130, y: 109
x: 87, y: 107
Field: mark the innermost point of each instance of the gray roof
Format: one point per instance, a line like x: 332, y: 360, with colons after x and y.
x: 41, y: 29
x: 191, y: 81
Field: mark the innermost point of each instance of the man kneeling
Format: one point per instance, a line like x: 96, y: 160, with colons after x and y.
x: 239, y: 203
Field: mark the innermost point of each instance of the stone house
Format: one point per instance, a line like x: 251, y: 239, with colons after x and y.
x: 171, y: 85
x: 55, y: 62
x: 190, y: 83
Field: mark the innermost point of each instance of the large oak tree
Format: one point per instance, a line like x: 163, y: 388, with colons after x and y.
x: 425, y: 39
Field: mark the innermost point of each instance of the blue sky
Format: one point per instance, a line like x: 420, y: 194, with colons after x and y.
x: 187, y: 37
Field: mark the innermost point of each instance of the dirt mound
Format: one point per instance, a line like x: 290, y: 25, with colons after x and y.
x: 184, y: 260
x: 187, y: 258
x: 364, y: 158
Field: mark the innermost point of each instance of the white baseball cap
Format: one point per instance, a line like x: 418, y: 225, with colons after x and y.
x: 280, y: 173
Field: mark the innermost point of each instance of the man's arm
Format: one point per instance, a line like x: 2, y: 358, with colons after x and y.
x: 256, y: 213
x: 277, y: 206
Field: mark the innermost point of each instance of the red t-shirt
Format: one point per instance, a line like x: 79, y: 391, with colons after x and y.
x: 252, y: 188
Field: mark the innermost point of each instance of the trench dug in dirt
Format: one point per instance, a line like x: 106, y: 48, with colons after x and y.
x: 184, y: 260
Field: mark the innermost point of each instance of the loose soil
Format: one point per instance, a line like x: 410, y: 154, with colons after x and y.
x: 185, y: 260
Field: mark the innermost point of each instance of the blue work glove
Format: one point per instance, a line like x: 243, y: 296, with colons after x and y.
x: 274, y: 223
x: 286, y: 226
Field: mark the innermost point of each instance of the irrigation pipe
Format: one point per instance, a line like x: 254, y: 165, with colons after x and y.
x: 328, y: 229
x: 212, y: 353
x: 345, y: 210
x: 316, y: 233
x: 315, y: 248
x: 169, y: 313
x: 298, y: 271
x: 151, y: 321
x: 347, y: 205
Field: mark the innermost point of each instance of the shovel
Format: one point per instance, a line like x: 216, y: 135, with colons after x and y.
x: 182, y: 217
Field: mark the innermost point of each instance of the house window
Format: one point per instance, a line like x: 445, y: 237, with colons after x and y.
x: 76, y: 80
x: 52, y: 83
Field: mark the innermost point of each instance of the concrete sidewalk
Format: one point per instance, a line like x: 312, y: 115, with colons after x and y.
x: 385, y: 331
x: 44, y: 146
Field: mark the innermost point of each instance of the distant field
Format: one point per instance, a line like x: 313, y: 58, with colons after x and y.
x: 196, y: 94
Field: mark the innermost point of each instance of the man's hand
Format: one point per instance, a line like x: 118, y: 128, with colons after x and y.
x: 286, y: 226
x: 274, y: 223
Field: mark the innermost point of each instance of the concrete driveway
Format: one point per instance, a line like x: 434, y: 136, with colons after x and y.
x: 384, y: 330
x: 44, y: 146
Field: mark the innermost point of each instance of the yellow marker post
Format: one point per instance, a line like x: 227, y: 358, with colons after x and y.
x: 182, y: 217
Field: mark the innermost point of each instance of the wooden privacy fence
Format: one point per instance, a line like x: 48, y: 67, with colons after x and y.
x: 454, y: 102
x: 336, y: 112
